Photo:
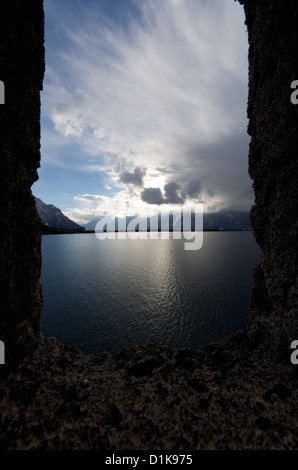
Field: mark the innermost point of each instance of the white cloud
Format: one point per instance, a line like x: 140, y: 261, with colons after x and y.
x: 156, y: 94
x: 177, y: 2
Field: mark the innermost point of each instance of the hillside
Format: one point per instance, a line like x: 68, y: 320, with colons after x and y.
x: 52, y: 218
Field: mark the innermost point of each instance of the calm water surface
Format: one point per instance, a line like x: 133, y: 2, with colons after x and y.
x: 111, y: 294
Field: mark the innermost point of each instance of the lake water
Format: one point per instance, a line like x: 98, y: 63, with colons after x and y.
x: 105, y: 295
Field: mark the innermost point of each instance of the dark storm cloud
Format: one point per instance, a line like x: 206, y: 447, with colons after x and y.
x: 135, y: 178
x: 171, y: 195
x: 194, y: 187
x: 152, y: 196
x: 218, y: 170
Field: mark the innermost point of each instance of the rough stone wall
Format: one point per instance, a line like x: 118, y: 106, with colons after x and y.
x: 273, y: 126
x: 223, y: 396
x: 273, y: 65
x: 21, y: 70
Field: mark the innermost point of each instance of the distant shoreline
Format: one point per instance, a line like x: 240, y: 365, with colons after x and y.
x: 53, y: 231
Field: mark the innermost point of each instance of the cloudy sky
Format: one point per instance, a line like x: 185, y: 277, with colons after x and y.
x: 144, y: 101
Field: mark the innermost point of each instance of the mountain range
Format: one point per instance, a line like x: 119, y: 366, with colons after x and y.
x: 222, y: 220
x: 52, y: 218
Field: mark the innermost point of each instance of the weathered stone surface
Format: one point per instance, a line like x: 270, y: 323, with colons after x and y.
x: 273, y: 124
x: 240, y: 393
x: 21, y: 70
x: 61, y: 399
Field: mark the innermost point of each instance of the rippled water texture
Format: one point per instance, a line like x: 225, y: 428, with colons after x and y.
x: 111, y: 294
